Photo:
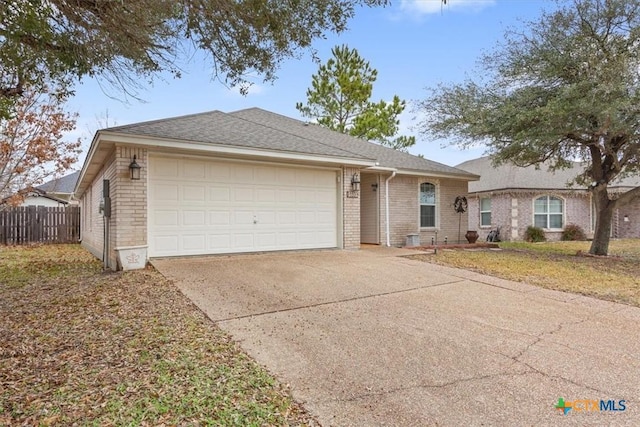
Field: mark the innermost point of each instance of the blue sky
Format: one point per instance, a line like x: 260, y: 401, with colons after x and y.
x: 413, y: 44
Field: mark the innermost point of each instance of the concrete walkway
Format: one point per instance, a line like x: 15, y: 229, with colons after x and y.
x: 369, y: 338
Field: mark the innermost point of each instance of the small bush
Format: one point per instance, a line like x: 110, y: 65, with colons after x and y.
x: 573, y: 232
x: 534, y: 234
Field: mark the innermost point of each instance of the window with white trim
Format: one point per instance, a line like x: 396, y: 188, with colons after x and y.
x: 485, y: 212
x: 427, y: 205
x: 548, y: 212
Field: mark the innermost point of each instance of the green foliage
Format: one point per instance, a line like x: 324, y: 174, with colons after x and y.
x: 339, y: 98
x: 125, y: 41
x: 565, y: 87
x: 534, y: 234
x: 573, y: 232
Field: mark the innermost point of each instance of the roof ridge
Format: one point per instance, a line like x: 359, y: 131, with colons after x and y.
x: 294, y: 134
x: 167, y: 119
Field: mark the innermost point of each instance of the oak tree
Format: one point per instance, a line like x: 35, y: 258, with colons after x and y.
x: 32, y: 143
x: 561, y: 88
x: 124, y: 41
x: 340, y: 98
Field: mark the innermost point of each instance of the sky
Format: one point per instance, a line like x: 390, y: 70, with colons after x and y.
x: 414, y: 45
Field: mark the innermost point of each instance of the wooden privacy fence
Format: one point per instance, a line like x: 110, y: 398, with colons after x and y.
x: 39, y: 224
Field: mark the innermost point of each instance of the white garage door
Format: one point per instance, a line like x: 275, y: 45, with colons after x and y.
x: 210, y: 207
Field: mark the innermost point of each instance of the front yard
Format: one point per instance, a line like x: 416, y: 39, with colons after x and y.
x: 555, y: 265
x: 78, y: 346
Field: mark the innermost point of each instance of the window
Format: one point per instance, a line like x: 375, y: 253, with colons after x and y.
x: 485, y: 212
x: 427, y: 205
x: 548, y: 212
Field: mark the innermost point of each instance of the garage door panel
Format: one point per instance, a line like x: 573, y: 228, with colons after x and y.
x: 194, y: 218
x: 208, y: 207
x: 165, y: 192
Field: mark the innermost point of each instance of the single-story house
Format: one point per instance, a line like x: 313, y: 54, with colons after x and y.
x: 60, y: 188
x: 41, y: 198
x: 54, y: 193
x: 253, y: 181
x: 514, y: 198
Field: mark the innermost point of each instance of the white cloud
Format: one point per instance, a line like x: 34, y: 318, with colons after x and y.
x: 253, y: 89
x: 424, y: 7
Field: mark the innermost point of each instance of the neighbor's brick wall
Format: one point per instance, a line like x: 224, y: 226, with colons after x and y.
x: 631, y: 228
x: 404, y: 209
x: 514, y: 212
x: 351, y: 211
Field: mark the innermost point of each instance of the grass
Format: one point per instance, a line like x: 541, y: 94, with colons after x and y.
x: 83, y: 347
x: 555, y: 265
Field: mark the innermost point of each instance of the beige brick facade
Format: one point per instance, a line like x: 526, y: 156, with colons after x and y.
x: 128, y: 222
x: 350, y: 211
x: 404, y: 209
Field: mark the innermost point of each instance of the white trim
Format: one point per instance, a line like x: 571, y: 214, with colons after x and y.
x: 436, y: 187
x: 158, y: 142
x: 236, y: 160
x: 386, y: 189
x: 490, y: 211
x: 564, y: 209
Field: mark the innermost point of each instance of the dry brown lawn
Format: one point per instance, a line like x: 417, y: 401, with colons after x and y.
x: 556, y: 265
x: 83, y: 347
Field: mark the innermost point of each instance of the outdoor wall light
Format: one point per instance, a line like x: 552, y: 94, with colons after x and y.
x: 626, y: 218
x: 134, y: 168
x: 355, y: 182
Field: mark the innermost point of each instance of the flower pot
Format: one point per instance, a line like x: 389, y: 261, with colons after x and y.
x: 471, y: 236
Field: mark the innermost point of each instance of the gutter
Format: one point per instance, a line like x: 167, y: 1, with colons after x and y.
x: 386, y: 200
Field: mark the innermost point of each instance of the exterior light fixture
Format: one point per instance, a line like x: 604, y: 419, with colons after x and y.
x: 355, y: 182
x: 134, y: 168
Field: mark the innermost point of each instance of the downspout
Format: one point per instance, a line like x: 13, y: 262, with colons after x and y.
x: 386, y: 200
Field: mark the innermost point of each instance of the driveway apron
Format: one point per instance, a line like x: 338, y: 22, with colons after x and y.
x: 369, y: 338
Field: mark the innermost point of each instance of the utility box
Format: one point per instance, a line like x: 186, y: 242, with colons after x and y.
x: 413, y: 240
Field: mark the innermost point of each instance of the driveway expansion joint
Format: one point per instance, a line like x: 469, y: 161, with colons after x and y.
x: 326, y: 303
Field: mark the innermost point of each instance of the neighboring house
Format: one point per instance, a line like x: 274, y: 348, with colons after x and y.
x: 252, y: 181
x: 61, y: 188
x: 41, y: 198
x: 514, y: 198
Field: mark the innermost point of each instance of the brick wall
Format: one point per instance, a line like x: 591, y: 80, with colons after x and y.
x: 513, y: 213
x: 92, y: 221
x: 130, y: 198
x: 351, y: 211
x: 404, y: 209
x: 128, y: 205
x: 631, y: 228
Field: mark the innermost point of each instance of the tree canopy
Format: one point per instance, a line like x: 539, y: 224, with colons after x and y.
x: 340, y: 98
x: 32, y: 143
x: 123, y: 41
x: 565, y: 87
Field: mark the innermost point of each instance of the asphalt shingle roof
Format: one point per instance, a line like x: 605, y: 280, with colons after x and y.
x: 385, y: 156
x: 64, y: 184
x: 260, y: 129
x: 512, y: 177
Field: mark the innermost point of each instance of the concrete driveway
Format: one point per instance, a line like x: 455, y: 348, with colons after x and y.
x: 370, y: 338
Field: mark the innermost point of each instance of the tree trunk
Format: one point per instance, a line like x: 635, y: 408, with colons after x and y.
x: 604, y: 214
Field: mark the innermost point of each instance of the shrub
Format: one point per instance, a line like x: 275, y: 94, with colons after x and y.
x: 573, y: 232
x: 534, y: 234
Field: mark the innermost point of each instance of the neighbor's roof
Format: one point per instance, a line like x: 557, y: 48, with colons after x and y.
x: 64, y: 184
x: 255, y: 128
x: 510, y: 177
